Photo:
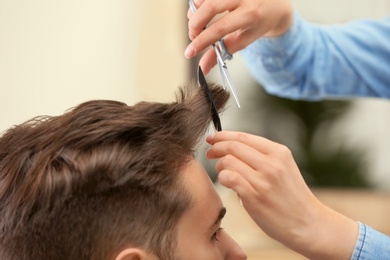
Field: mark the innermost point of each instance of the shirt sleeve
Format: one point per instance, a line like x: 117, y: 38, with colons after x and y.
x: 314, y: 62
x: 371, y: 244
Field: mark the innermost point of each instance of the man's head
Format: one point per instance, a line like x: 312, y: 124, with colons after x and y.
x: 103, y: 181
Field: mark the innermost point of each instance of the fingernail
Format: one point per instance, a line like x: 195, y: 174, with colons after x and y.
x: 205, y: 71
x: 207, y: 153
x: 210, y: 137
x: 191, y: 36
x: 189, y: 52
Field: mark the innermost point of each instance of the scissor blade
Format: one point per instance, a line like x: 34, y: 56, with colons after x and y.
x: 225, y: 75
x: 192, y: 6
x: 230, y: 83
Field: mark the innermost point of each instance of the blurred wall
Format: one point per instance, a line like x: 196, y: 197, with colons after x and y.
x: 56, y: 54
x: 331, y: 11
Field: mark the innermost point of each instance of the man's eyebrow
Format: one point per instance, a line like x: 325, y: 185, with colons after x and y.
x: 221, y: 215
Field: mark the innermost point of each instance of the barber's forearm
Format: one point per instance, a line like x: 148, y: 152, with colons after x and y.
x: 333, y: 238
x: 329, y: 236
x: 284, y: 24
x: 314, y: 62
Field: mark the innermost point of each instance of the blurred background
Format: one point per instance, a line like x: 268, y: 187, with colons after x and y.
x: 57, y: 54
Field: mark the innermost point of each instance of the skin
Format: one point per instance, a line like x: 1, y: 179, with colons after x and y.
x: 268, y: 181
x: 199, y: 230
x: 241, y: 23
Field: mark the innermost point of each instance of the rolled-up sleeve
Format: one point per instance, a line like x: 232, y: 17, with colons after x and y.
x: 371, y: 244
x: 315, y: 62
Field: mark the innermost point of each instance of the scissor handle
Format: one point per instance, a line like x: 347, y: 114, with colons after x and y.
x: 224, y: 52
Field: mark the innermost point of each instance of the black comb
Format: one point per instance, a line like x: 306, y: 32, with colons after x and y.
x: 213, y: 109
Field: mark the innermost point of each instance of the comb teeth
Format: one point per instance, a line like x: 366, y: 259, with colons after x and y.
x: 213, y: 109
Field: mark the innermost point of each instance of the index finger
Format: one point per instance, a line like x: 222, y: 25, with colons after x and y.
x: 259, y: 143
x: 197, y: 3
x: 207, y: 14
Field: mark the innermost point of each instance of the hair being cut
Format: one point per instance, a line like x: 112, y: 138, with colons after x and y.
x: 100, y: 177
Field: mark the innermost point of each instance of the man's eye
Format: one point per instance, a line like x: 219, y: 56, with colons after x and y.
x: 214, y: 237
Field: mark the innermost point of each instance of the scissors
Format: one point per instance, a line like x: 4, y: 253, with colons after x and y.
x: 222, y: 55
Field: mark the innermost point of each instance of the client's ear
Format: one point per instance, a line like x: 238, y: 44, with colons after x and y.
x: 133, y: 254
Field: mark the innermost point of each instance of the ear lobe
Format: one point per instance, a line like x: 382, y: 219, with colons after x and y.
x: 132, y: 254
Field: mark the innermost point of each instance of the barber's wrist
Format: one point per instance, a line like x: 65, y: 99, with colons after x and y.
x: 329, y: 236
x: 283, y: 26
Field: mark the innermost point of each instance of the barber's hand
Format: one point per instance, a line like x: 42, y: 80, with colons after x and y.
x: 245, y: 21
x: 269, y: 183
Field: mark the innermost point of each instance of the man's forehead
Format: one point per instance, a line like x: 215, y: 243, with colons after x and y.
x: 200, y: 186
x: 206, y: 209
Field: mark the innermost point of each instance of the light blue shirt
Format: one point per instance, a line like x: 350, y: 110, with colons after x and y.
x: 313, y: 62
x: 371, y: 245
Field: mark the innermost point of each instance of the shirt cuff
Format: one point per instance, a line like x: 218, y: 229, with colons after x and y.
x: 371, y: 244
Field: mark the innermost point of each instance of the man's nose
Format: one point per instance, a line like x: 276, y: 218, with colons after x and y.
x: 234, y: 251
x: 238, y: 254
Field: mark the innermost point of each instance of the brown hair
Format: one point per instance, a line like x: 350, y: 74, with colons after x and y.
x: 100, y: 177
